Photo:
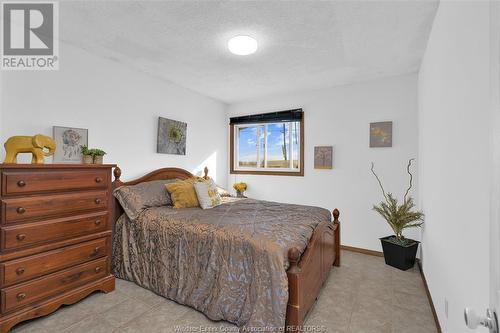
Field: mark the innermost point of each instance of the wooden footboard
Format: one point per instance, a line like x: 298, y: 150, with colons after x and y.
x: 307, y: 275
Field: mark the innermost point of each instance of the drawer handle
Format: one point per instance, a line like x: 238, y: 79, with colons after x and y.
x: 21, y: 296
x: 95, y: 251
x: 98, y: 179
x: 97, y: 222
x: 20, y: 271
x: 98, y: 201
x: 98, y: 269
x: 20, y: 237
x: 21, y: 183
x: 21, y: 210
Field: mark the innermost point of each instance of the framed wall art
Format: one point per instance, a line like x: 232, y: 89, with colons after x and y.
x: 323, y: 157
x: 171, y: 136
x: 381, y: 134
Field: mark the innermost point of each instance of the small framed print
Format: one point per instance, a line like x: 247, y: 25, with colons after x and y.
x: 171, y: 136
x: 381, y: 134
x: 323, y: 157
x: 68, y: 141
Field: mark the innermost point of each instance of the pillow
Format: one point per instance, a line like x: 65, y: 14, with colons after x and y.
x: 135, y: 198
x: 208, y: 194
x: 183, y: 194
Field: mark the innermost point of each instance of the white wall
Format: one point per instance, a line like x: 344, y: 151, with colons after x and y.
x: 495, y: 136
x: 120, y: 107
x: 340, y: 116
x: 454, y: 150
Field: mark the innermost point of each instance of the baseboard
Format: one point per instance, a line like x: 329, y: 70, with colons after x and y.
x: 434, y: 314
x: 360, y: 250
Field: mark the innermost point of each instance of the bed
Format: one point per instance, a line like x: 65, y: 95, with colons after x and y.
x: 254, y: 263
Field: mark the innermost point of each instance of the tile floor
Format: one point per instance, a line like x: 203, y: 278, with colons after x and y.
x: 362, y: 296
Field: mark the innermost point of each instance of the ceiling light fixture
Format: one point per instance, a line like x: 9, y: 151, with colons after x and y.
x: 242, y: 45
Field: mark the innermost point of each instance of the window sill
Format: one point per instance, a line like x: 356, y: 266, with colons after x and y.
x: 268, y: 173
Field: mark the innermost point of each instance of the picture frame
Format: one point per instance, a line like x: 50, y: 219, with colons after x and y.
x: 323, y: 157
x: 381, y: 134
x: 68, y: 141
x: 172, y: 135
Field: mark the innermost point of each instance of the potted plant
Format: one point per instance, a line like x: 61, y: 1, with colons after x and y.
x: 399, y: 251
x: 240, y: 189
x: 98, y: 155
x: 87, y: 156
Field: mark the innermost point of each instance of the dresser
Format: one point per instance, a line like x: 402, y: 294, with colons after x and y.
x: 55, y: 237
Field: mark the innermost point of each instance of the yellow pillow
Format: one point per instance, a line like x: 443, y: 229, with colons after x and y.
x: 183, y: 193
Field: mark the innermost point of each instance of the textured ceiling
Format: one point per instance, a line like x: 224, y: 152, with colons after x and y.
x: 302, y: 44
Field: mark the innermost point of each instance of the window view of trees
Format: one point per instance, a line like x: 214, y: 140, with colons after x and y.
x: 268, y: 146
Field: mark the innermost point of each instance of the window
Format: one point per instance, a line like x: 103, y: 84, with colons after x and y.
x: 268, y: 144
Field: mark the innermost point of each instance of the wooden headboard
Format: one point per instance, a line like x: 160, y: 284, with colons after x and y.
x: 160, y: 174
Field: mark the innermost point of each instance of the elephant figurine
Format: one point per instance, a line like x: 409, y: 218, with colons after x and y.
x: 29, y: 144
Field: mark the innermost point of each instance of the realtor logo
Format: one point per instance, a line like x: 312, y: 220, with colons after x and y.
x: 30, y: 36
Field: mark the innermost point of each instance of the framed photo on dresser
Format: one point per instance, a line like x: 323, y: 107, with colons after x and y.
x: 68, y: 141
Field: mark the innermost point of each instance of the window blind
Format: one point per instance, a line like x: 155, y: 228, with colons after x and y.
x: 271, y: 117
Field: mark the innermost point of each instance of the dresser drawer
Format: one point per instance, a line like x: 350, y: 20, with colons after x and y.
x: 15, y: 182
x: 22, y: 235
x: 37, y: 207
x: 50, y: 285
x: 16, y: 271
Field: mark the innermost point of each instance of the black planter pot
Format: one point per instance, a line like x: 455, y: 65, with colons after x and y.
x: 399, y: 256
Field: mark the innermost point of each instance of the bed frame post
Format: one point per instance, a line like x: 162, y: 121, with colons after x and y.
x: 294, y: 317
x: 117, y: 208
x: 205, y: 172
x: 336, y: 222
x: 293, y: 258
x: 117, y: 172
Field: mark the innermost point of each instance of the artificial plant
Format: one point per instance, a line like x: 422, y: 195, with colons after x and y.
x: 399, y: 216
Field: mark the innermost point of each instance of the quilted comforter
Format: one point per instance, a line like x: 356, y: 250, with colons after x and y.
x: 228, y: 262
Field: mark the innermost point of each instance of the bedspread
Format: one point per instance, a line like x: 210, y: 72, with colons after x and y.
x: 228, y: 262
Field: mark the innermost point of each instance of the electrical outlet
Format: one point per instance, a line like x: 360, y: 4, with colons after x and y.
x: 446, y: 307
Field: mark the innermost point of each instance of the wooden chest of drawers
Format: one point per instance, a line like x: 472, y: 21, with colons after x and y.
x: 55, y: 237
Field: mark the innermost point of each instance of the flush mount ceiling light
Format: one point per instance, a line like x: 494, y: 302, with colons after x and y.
x: 242, y: 45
